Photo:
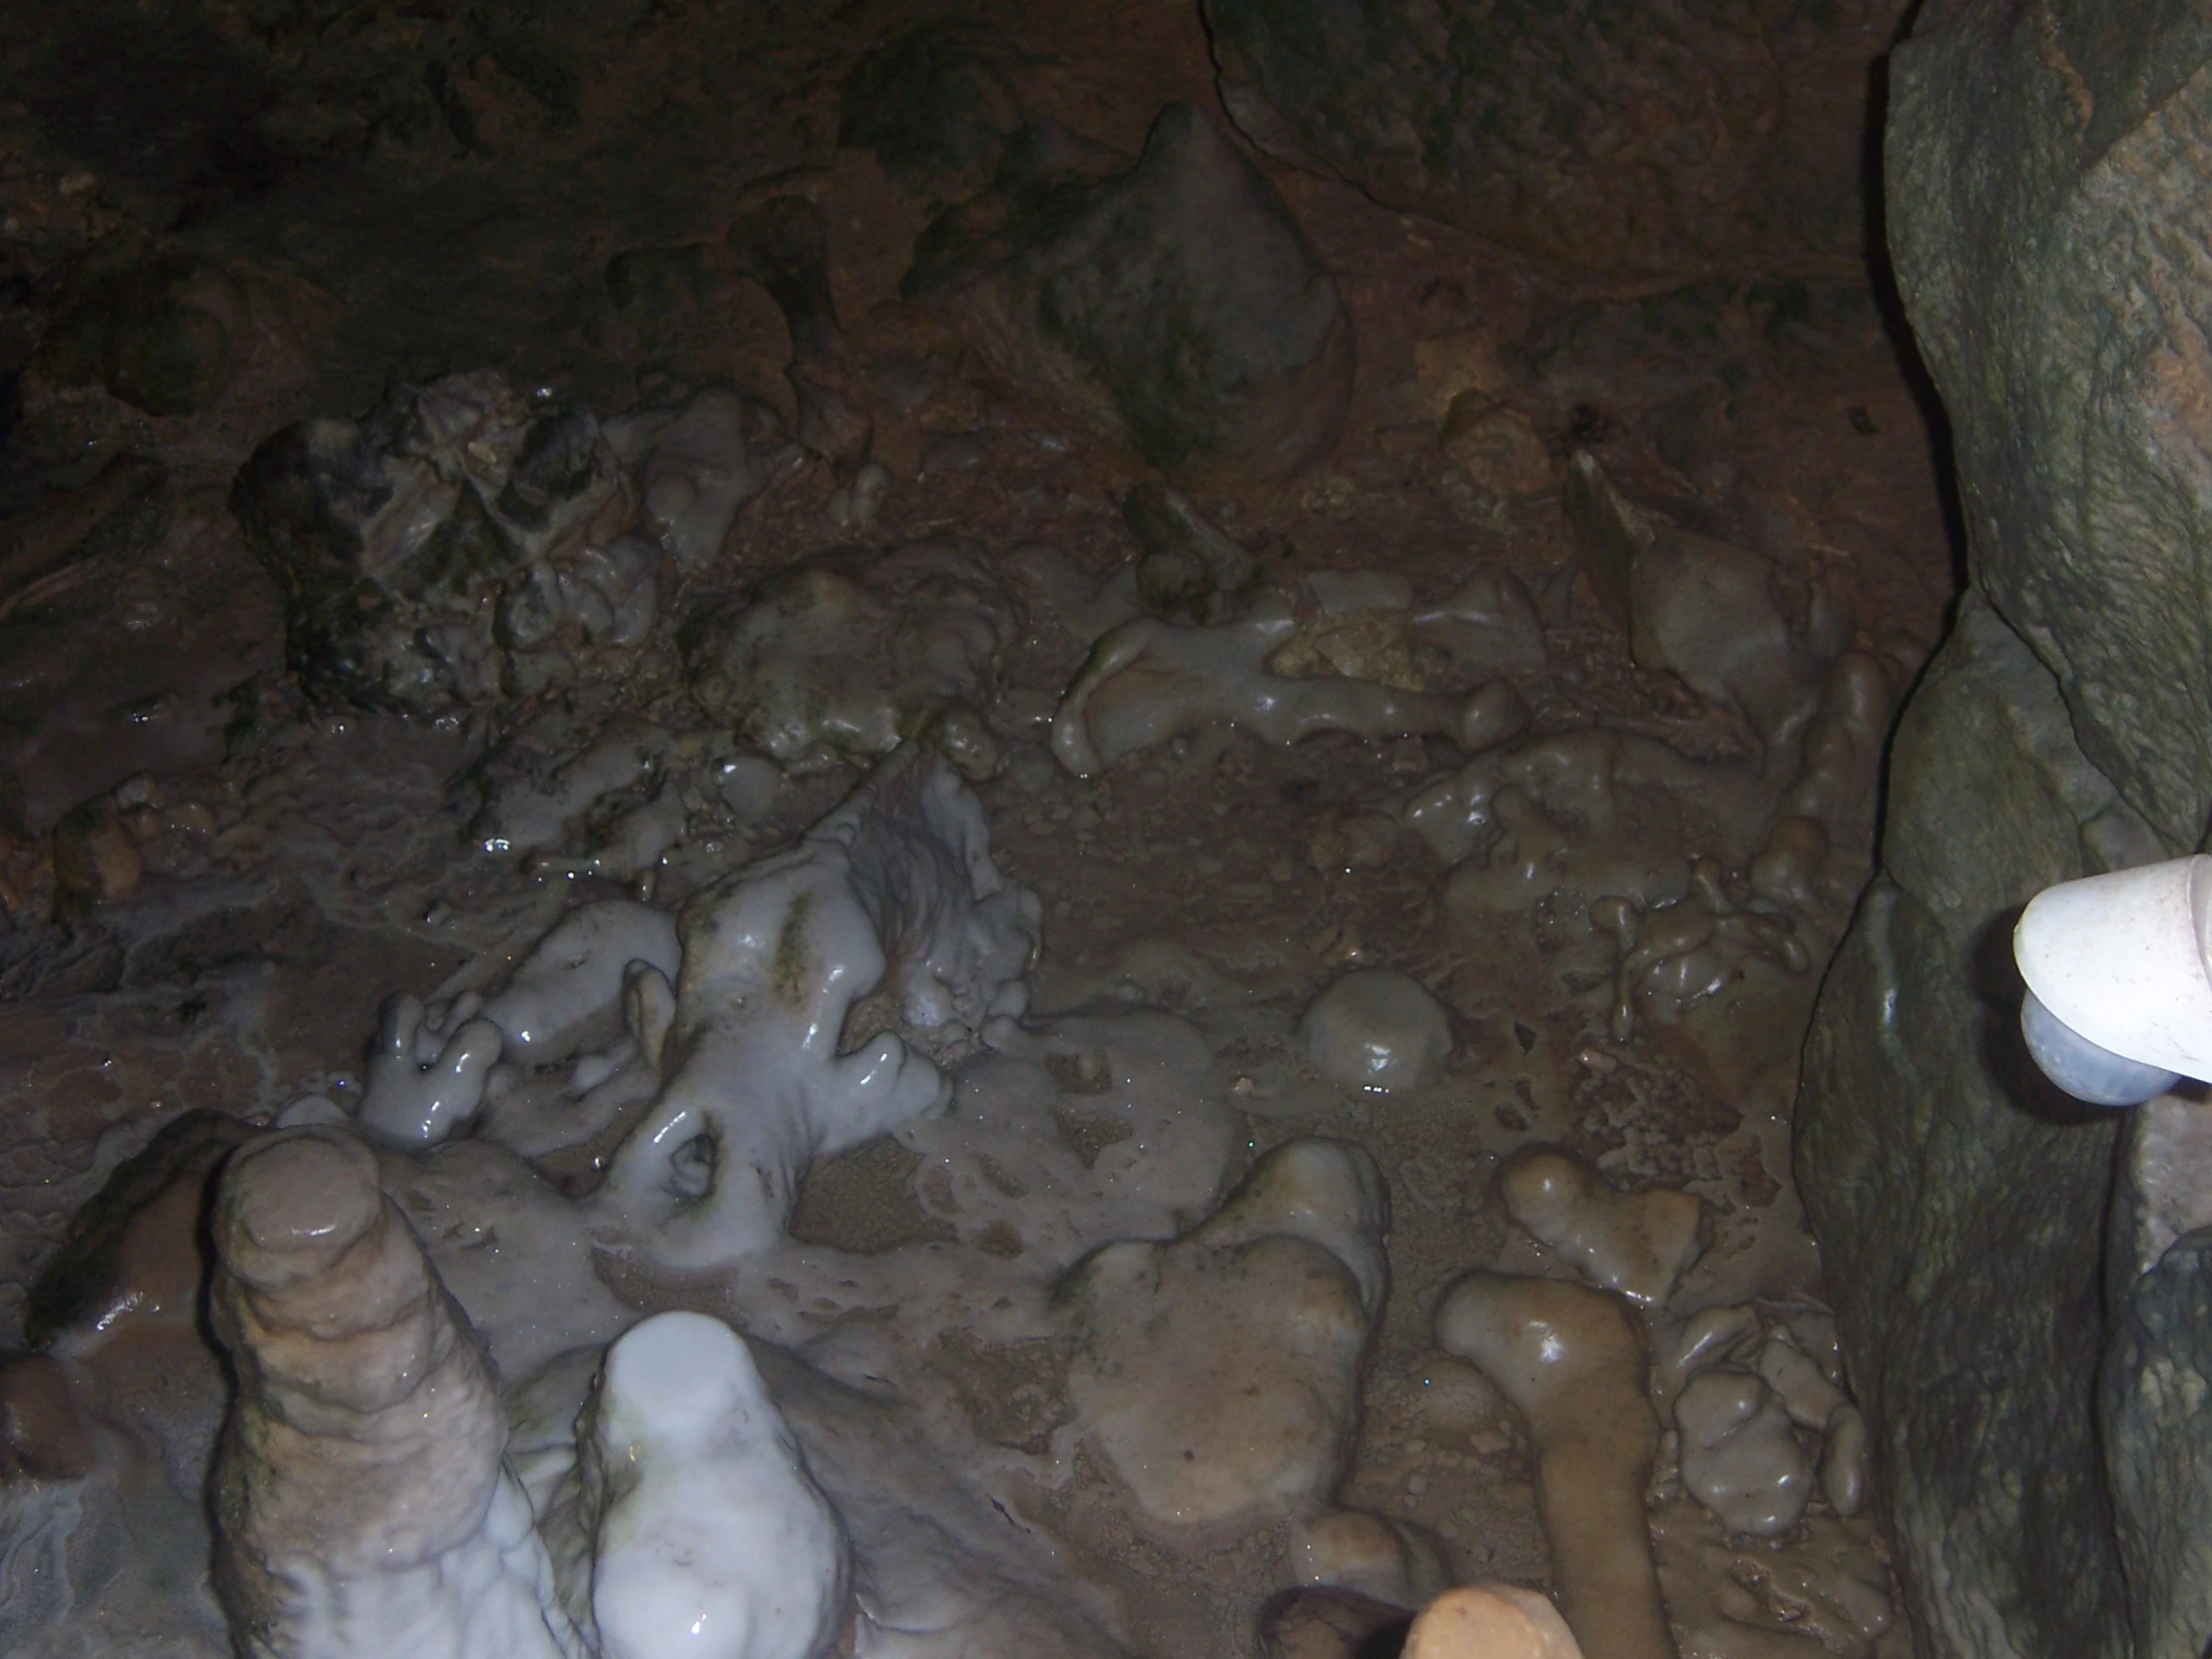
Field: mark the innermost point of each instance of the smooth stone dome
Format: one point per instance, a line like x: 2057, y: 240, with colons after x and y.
x: 1375, y: 1029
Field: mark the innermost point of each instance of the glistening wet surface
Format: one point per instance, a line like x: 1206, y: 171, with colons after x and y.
x: 1085, y: 960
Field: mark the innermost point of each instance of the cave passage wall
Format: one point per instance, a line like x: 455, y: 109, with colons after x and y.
x: 2019, y: 1335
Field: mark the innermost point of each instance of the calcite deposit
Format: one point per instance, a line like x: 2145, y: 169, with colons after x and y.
x: 825, y: 833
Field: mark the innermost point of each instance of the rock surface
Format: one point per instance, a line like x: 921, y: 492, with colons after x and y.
x: 457, y: 546
x: 1958, y: 1198
x: 1219, y: 1375
x: 1645, y: 137
x: 2048, y: 249
x: 1176, y: 307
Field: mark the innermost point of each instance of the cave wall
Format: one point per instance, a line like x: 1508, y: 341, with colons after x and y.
x: 1650, y: 139
x: 2028, y: 1350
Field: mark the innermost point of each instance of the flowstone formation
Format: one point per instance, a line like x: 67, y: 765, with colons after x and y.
x: 2042, y: 1493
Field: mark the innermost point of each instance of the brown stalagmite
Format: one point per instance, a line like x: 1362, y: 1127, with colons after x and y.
x: 1572, y: 1363
x: 359, y: 1493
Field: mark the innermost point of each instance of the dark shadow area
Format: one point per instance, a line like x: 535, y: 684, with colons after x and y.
x: 1889, y: 301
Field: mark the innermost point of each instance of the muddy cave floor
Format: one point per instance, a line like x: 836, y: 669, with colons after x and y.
x: 299, y: 865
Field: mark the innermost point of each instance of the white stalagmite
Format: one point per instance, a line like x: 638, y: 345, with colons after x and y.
x: 898, y: 881
x: 424, y: 1083
x: 710, y: 1539
x: 574, y: 977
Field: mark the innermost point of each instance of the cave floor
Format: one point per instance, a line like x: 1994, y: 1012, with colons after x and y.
x: 299, y: 864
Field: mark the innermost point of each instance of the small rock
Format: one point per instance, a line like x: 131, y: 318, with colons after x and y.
x: 1363, y: 841
x: 1449, y: 365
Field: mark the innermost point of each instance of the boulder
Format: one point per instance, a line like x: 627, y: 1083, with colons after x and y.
x: 1959, y: 1200
x: 1607, y: 137
x: 461, y: 544
x: 2026, y: 1348
x: 1174, y: 308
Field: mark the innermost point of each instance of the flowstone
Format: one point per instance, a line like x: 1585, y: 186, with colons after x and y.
x: 843, y: 659
x: 1218, y: 1374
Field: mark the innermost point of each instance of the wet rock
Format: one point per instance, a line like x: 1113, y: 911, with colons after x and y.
x: 1739, y: 1457
x: 1571, y: 1361
x: 1562, y: 128
x: 1710, y: 613
x: 530, y: 807
x: 1593, y: 813
x: 1691, y: 947
x: 1841, y: 758
x: 1350, y: 1549
x: 840, y: 657
x: 1147, y: 681
x: 459, y: 546
x: 1822, y: 1593
x: 689, y: 1463
x: 1639, y: 1244
x: 1219, y: 1375
x: 1959, y: 1201
x: 1487, y: 623
x: 1375, y: 1029
x: 360, y: 1497
x: 696, y: 474
x: 896, y: 886
x: 42, y: 1436
x: 1175, y: 306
